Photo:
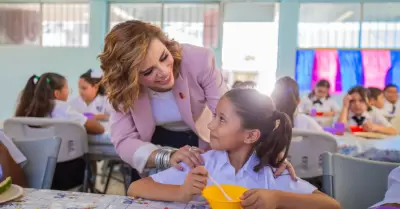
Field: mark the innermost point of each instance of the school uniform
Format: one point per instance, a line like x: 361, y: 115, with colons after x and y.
x: 15, y: 153
x: 218, y: 166
x: 99, y: 105
x: 391, y: 109
x: 373, y: 116
x: 71, y: 173
x: 320, y: 105
x: 392, y: 194
x: 306, y: 122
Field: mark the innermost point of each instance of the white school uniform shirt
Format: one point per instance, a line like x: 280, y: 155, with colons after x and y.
x: 99, y: 105
x: 15, y: 153
x: 218, y: 166
x: 373, y: 116
x: 388, y: 107
x: 306, y: 122
x: 64, y: 111
x: 392, y: 195
x: 328, y: 104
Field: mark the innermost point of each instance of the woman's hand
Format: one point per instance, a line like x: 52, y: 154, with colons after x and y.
x: 191, y: 156
x: 259, y: 199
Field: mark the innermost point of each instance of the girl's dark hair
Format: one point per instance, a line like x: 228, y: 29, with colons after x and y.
x: 94, y: 81
x: 37, y: 97
x: 286, y: 96
x: 320, y: 83
x: 249, y: 84
x: 363, y: 92
x: 237, y: 84
x: 373, y: 93
x: 390, y: 85
x: 257, y: 111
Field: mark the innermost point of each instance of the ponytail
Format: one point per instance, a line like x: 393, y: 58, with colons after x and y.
x: 269, y: 147
x: 37, y: 98
x: 311, y: 94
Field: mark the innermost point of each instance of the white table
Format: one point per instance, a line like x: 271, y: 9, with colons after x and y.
x: 387, y: 149
x: 52, y: 199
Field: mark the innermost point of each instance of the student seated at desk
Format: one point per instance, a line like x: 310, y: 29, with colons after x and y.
x: 247, y: 136
x: 11, y: 160
x: 357, y: 112
x: 92, y: 97
x: 46, y: 96
x: 392, y: 103
x: 320, y: 100
x: 286, y: 98
x: 392, y: 196
x: 376, y: 100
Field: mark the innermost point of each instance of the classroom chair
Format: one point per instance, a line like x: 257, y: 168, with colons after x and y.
x: 306, y: 149
x: 356, y: 183
x: 74, y: 139
x: 41, y: 155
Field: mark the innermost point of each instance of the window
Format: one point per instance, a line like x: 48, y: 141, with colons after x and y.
x: 196, y: 24
x: 329, y: 25
x: 50, y: 25
x: 65, y: 25
x: 381, y: 26
x: 20, y: 24
x: 250, y: 42
x: 131, y: 11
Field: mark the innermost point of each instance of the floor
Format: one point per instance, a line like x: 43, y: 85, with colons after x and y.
x: 115, y: 187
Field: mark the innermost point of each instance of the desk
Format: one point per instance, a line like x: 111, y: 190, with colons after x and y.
x: 387, y: 149
x: 52, y: 199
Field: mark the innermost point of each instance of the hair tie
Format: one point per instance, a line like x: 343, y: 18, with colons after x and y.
x: 36, y: 78
x: 276, y: 116
x: 96, y: 73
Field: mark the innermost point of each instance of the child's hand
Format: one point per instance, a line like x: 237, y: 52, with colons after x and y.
x: 368, y: 126
x: 195, y: 182
x: 346, y: 100
x: 259, y: 198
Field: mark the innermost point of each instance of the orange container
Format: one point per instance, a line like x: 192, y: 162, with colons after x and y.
x: 217, y: 200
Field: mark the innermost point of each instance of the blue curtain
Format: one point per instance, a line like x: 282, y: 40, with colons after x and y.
x: 393, y: 74
x: 351, y: 69
x: 304, y: 68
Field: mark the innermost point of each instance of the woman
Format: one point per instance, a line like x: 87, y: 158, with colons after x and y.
x: 162, y: 92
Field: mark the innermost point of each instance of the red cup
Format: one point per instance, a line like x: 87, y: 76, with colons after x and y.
x: 319, y: 114
x: 356, y: 129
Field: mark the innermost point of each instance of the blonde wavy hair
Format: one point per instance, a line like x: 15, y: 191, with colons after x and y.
x: 125, y: 48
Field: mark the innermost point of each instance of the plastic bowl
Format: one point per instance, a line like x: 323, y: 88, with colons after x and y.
x: 89, y: 115
x: 217, y: 200
x: 319, y: 114
x: 356, y: 129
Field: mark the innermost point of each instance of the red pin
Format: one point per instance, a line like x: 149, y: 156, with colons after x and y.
x: 181, y: 95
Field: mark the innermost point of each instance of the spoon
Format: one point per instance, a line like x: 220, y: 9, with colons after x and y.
x: 220, y: 188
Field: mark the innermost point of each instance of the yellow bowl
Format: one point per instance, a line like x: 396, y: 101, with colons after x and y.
x: 217, y: 200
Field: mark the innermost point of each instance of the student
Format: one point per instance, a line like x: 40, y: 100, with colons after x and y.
x: 9, y: 165
x: 391, y: 99
x: 247, y: 136
x: 244, y: 84
x: 376, y: 99
x: 357, y: 112
x: 392, y: 197
x: 320, y: 100
x: 286, y: 98
x: 237, y: 84
x: 46, y: 96
x: 92, y: 97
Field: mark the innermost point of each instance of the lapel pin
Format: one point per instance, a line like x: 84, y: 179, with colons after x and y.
x: 181, y: 95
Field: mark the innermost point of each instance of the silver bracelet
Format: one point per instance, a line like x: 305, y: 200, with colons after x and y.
x: 163, y: 157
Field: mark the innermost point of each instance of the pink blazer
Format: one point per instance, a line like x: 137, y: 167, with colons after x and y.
x: 200, y: 83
